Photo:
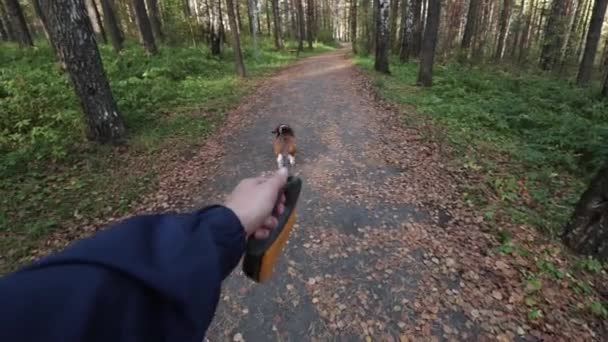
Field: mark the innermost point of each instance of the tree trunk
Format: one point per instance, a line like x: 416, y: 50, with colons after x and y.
x: 553, y: 40
x: 18, y: 23
x: 427, y: 55
x: 593, y: 38
x: 310, y: 22
x: 111, y: 21
x: 239, y: 21
x: 155, y: 19
x: 393, y: 15
x: 268, y: 25
x: 605, y: 85
x: 406, y: 31
x: 584, y: 25
x: 71, y: 32
x: 382, y: 32
x: 253, y: 5
x: 417, y: 27
x: 10, y: 34
x: 96, y: 20
x: 3, y: 33
x: 42, y: 18
x: 353, y: 25
x: 145, y: 29
x: 250, y: 18
x: 525, y: 36
x: 301, y: 25
x: 278, y: 41
x: 236, y: 39
x: 505, y: 18
x: 587, y: 230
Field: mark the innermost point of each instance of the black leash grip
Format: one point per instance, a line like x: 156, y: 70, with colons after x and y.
x: 262, y: 254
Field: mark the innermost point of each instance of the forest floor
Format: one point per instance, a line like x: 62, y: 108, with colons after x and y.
x: 385, y: 248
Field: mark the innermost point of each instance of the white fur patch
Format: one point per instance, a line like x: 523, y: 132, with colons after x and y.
x: 292, y: 159
x: 280, y: 161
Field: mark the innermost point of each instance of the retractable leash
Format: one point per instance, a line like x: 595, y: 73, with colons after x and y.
x: 261, y: 255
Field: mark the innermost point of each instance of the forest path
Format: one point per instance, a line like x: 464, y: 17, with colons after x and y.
x: 384, y: 246
x: 353, y: 266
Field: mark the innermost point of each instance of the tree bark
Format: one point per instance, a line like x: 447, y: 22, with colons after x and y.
x: 236, y: 39
x: 253, y: 8
x: 553, y: 40
x: 593, y: 38
x: 382, y: 33
x: 278, y: 41
x: 96, y: 20
x: 268, y: 25
x: 393, y: 15
x: 239, y: 21
x: 71, y: 32
x: 143, y: 23
x: 605, y: 85
x: 505, y: 18
x: 18, y: 23
x: 250, y: 18
x: 111, y: 22
x: 3, y: 33
x: 525, y: 36
x: 587, y: 230
x: 10, y: 34
x: 155, y: 19
x: 417, y: 27
x: 42, y: 18
x: 427, y: 55
x: 406, y: 31
x: 310, y: 22
x: 301, y: 25
x: 353, y: 25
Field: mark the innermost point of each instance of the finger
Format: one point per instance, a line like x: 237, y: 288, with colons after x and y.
x: 278, y: 210
x: 278, y: 179
x: 261, y: 233
x: 270, y: 222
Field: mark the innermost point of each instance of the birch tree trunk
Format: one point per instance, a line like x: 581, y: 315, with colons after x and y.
x: 593, y: 39
x: 71, y: 32
x: 427, y: 55
x: 155, y: 19
x: 382, y: 33
x: 236, y: 39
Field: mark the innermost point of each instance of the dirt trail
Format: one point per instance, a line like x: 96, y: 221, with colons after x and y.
x: 384, y: 246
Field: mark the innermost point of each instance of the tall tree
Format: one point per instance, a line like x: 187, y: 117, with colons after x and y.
x: 427, y: 54
x: 525, y: 36
x: 71, y: 32
x: 112, y: 25
x: 278, y: 41
x: 96, y: 20
x: 155, y: 21
x: 393, y: 16
x: 239, y: 21
x: 406, y: 31
x: 3, y: 33
x: 382, y: 32
x: 310, y: 22
x: 593, y: 38
x: 253, y: 8
x: 18, y: 23
x: 10, y: 35
x: 605, y: 85
x: 143, y: 23
x: 554, y: 35
x: 417, y: 27
x: 587, y: 230
x: 236, y: 39
x: 301, y: 25
x: 505, y: 19
x: 41, y: 18
x: 353, y: 25
x: 268, y: 25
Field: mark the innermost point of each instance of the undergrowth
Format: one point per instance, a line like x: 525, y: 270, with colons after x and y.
x: 50, y: 174
x: 537, y: 139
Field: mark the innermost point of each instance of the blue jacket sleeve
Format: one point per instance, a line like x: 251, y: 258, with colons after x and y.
x: 149, y: 278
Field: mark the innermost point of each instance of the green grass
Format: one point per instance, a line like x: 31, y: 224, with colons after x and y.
x: 51, y: 176
x: 535, y: 138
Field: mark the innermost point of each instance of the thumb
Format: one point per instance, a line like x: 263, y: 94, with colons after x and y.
x: 279, y: 178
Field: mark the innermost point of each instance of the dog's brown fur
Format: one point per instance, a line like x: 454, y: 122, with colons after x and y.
x: 284, y: 143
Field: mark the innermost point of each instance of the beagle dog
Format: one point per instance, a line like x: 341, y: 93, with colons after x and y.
x: 284, y: 144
